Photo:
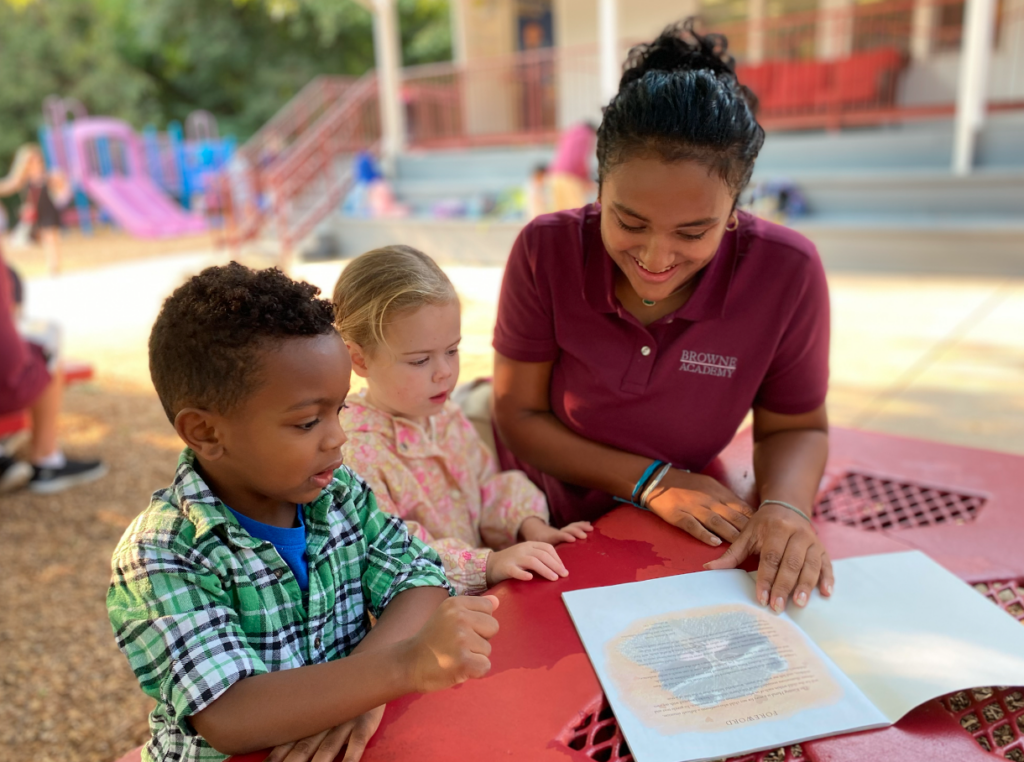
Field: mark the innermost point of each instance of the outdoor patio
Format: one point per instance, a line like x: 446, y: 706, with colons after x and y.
x: 925, y: 356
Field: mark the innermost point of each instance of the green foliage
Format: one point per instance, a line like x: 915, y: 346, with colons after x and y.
x: 151, y: 61
x: 236, y: 60
x: 426, y: 31
x: 67, y: 47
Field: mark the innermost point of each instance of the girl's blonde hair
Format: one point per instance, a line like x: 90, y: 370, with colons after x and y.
x: 16, y: 178
x: 381, y: 283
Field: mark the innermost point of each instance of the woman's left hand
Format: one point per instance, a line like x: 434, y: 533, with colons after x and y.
x: 325, y: 746
x: 793, y: 559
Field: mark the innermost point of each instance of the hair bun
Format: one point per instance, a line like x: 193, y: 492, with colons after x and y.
x: 679, y: 48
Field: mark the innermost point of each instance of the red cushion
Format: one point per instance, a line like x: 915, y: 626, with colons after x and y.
x: 800, y: 86
x: 866, y: 78
x: 757, y: 78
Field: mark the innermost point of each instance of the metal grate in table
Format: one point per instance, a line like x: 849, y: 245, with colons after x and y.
x: 995, y: 716
x: 598, y: 736
x: 878, y: 503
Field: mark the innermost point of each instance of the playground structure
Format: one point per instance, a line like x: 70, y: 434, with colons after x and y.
x: 296, y: 170
x: 865, y: 68
x: 147, y: 186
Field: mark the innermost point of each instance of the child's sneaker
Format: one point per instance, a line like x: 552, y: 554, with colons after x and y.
x: 47, y: 480
x: 14, y: 474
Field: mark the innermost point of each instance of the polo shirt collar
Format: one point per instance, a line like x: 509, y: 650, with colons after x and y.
x: 708, y: 299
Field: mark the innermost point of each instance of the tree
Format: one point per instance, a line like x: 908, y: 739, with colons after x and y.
x: 66, y: 47
x: 151, y: 61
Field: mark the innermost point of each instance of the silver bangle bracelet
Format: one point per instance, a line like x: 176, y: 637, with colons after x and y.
x: 654, y: 483
x: 784, y: 505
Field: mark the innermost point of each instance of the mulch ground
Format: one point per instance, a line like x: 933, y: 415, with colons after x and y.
x: 66, y: 692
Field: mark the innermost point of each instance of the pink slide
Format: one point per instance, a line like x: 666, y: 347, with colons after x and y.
x: 126, y: 193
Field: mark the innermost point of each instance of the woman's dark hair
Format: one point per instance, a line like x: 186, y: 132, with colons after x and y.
x: 679, y: 100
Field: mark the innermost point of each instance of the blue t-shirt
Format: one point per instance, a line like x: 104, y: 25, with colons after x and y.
x: 290, y: 543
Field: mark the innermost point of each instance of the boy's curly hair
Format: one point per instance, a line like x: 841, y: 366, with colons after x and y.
x: 204, y: 349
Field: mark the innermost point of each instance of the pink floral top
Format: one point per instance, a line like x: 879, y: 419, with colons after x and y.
x: 443, y: 483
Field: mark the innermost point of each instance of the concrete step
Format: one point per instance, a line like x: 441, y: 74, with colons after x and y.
x: 910, y: 146
x: 426, y: 192
x: 512, y: 165
x: 900, y: 170
x: 911, y: 196
x: 956, y: 245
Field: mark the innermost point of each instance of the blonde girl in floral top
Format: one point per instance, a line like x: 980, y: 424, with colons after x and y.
x: 399, y: 316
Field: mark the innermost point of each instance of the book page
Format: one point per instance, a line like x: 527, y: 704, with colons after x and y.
x: 715, y: 668
x: 695, y: 669
x: 906, y: 631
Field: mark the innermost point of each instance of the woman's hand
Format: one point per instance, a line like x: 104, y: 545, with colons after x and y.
x: 793, y: 559
x: 701, y: 506
x: 524, y: 560
x: 538, y: 530
x: 325, y: 746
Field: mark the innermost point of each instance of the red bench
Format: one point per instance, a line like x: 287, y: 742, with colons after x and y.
x: 13, y: 423
x: 794, y: 88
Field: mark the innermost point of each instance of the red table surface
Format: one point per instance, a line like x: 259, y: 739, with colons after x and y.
x: 541, y: 684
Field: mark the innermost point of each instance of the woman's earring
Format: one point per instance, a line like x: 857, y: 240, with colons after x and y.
x: 733, y: 223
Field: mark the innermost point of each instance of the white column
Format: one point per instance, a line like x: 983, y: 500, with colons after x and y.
x: 922, y: 29
x: 457, y: 19
x: 608, y: 34
x: 387, y: 48
x: 755, y: 31
x: 835, y: 29
x: 975, y: 52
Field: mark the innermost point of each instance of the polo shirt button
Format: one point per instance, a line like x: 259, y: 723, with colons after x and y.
x: 645, y: 351
x: 316, y: 643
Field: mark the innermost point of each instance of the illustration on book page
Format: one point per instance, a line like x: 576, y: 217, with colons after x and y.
x: 717, y: 668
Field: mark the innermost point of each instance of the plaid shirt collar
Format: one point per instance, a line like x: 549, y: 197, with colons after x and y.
x: 208, y: 513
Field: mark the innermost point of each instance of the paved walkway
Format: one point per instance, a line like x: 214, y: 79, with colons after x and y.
x: 940, y: 358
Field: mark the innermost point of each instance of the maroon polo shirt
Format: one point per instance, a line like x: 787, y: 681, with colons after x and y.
x: 23, y: 373
x: 754, y: 332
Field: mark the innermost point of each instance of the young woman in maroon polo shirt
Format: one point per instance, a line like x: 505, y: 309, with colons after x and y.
x: 641, y: 330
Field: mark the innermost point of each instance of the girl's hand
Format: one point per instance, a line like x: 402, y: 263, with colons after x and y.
x: 701, y: 506
x: 522, y: 560
x: 538, y: 530
x: 793, y: 559
x: 325, y: 746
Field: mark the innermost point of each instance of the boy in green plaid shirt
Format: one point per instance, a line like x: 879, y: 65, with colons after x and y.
x: 242, y: 596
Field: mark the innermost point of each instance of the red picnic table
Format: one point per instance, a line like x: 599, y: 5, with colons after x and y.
x: 542, y: 701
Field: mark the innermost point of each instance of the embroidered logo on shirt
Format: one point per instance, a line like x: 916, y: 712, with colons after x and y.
x: 707, y: 364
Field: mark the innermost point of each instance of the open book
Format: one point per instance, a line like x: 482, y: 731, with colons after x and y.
x: 694, y: 669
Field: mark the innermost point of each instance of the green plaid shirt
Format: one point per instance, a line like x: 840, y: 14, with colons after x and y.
x: 198, y: 604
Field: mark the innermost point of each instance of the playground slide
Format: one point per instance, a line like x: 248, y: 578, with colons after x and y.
x: 117, y: 182
x: 140, y: 207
